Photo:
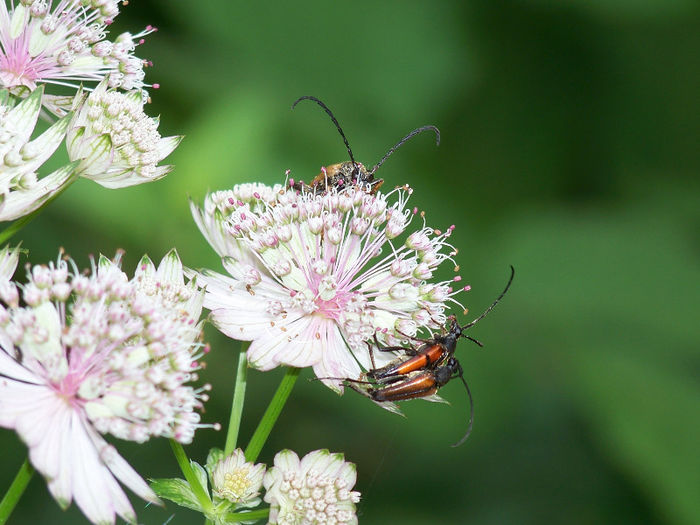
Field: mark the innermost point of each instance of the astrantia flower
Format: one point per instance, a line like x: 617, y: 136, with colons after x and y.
x: 117, y: 143
x: 236, y: 480
x: 314, y: 277
x: 99, y: 354
x: 314, y: 491
x: 21, y: 191
x: 64, y: 42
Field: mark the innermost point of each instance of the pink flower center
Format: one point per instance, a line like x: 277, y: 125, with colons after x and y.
x: 18, y: 69
x: 334, y: 307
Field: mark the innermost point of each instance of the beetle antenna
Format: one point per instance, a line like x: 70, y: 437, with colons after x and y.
x: 471, y: 410
x: 405, y: 139
x: 330, y: 114
x: 473, y: 340
x: 493, y: 305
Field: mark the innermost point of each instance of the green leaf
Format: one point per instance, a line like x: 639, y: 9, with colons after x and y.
x: 200, y: 473
x: 176, y: 490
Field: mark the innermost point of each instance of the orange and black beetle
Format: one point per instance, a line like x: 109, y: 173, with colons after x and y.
x: 427, y: 368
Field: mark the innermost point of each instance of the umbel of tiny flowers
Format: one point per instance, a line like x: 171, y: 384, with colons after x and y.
x: 83, y: 355
x: 64, y: 43
x: 316, y: 490
x: 21, y: 190
x: 116, y: 143
x: 314, y: 277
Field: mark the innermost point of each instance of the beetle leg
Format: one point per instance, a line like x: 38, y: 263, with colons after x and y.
x: 406, y: 349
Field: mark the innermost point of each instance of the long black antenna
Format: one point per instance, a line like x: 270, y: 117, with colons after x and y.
x: 330, y: 114
x: 403, y: 140
x: 471, y: 410
x: 493, y: 305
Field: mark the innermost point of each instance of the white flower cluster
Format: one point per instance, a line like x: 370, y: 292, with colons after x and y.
x: 316, y: 490
x: 314, y: 277
x: 98, y: 353
x: 65, y: 43
x: 108, y: 136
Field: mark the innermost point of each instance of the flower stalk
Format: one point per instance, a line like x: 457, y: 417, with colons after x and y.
x: 238, y: 401
x: 190, y: 476
x: 271, y: 414
x: 237, y: 517
x: 14, y: 493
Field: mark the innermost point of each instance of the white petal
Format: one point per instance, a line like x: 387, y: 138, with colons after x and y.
x: 22, y: 202
x: 337, y: 359
x: 166, y: 145
x: 122, y: 470
x: 318, y: 460
x: 61, y: 486
x: 90, y: 491
x: 170, y: 268
x: 287, y: 460
x: 282, y: 347
x: 9, y: 257
x: 22, y: 118
x: 18, y: 399
x: 145, y: 268
x: 12, y: 369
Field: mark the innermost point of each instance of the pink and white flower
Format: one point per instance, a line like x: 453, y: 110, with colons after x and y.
x: 21, y: 189
x: 314, y: 277
x: 316, y: 490
x: 116, y: 143
x: 87, y: 355
x: 64, y: 42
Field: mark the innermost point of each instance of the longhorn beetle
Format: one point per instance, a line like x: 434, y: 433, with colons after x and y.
x: 352, y: 172
x: 429, y: 367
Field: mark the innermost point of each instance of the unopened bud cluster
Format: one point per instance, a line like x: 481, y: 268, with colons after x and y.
x: 117, y: 143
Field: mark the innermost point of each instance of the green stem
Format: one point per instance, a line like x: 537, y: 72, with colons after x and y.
x: 245, y: 516
x: 190, y: 476
x: 271, y: 414
x: 234, y: 423
x: 15, y: 491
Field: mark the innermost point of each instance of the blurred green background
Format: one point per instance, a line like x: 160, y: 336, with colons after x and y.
x: 569, y: 149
